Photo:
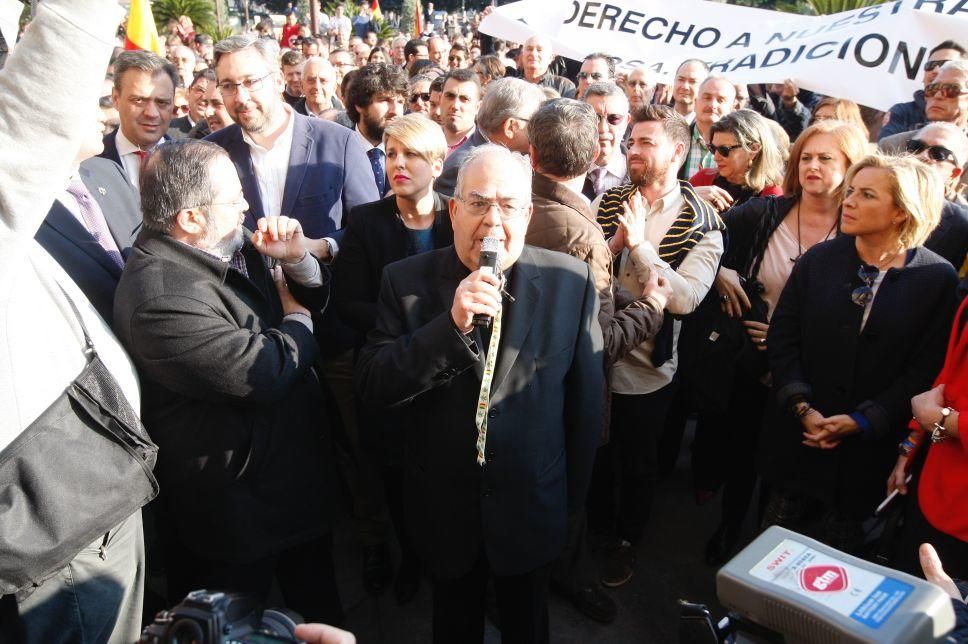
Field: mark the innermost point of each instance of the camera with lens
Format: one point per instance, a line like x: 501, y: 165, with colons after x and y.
x: 213, y: 617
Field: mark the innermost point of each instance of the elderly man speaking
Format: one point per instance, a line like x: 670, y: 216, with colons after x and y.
x: 493, y: 464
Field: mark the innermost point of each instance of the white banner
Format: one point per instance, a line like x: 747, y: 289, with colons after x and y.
x: 10, y: 11
x: 873, y: 56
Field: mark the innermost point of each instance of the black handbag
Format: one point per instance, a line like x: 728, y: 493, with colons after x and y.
x: 83, y: 466
x: 726, y: 351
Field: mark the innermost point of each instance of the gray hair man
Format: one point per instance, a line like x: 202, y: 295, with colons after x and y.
x: 502, y: 119
x: 425, y: 350
x: 534, y: 60
x: 944, y: 148
x: 225, y: 351
x: 945, y: 101
x: 609, y: 169
x: 318, y: 87
x: 563, y: 144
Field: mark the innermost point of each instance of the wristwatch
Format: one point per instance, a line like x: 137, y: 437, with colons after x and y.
x: 939, y: 433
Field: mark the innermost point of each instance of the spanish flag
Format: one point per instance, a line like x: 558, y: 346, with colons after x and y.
x: 141, y: 32
x: 375, y: 10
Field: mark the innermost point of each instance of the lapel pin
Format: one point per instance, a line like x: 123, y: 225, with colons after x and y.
x: 102, y: 190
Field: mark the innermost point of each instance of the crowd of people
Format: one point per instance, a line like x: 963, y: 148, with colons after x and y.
x: 275, y: 243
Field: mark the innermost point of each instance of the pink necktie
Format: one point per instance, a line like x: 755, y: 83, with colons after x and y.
x: 94, y: 220
x: 598, y: 180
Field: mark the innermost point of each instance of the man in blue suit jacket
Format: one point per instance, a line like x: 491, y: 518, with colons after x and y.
x: 308, y: 169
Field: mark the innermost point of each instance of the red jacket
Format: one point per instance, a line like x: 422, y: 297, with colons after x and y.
x: 943, y: 486
x: 706, y: 176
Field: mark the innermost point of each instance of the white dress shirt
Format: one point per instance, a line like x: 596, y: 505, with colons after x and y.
x: 130, y: 160
x: 635, y: 373
x: 271, y: 166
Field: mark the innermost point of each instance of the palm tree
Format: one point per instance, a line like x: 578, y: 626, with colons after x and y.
x: 824, y: 7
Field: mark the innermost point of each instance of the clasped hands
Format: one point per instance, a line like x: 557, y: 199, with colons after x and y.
x: 826, y: 432
x: 631, y: 232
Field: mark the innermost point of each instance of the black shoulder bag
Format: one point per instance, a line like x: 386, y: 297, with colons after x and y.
x: 74, y: 473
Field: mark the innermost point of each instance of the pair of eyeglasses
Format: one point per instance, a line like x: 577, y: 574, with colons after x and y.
x: 932, y: 65
x: 611, y: 119
x: 180, y: 109
x: 455, y: 59
x: 935, y: 152
x: 250, y: 85
x: 721, y: 150
x: 862, y: 295
x: 420, y: 96
x: 480, y: 207
x: 947, y: 90
x: 592, y: 75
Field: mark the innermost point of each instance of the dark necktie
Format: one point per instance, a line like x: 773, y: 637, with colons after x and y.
x: 94, y: 221
x: 379, y: 171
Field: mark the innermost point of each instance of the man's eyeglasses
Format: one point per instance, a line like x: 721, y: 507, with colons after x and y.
x: 592, y: 75
x: 612, y: 119
x: 935, y: 152
x: 180, y: 109
x: 721, y: 150
x: 420, y: 96
x: 932, y: 65
x: 947, y: 90
x: 862, y: 295
x: 250, y: 85
x: 480, y: 207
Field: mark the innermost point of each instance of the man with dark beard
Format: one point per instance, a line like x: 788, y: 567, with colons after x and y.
x: 655, y: 223
x: 376, y: 96
x: 225, y: 351
x: 289, y: 164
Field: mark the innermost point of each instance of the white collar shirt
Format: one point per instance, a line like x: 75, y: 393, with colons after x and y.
x: 271, y: 166
x: 130, y: 160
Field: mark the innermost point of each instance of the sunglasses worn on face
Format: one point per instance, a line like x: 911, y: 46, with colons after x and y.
x: 420, y: 96
x: 935, y: 152
x: 613, y: 119
x: 721, y: 150
x: 932, y: 65
x: 947, y: 90
x: 592, y: 75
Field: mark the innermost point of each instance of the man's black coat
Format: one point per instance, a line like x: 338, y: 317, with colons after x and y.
x: 545, y: 417
x: 230, y: 396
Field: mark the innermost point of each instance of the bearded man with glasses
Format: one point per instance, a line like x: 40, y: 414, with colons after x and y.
x: 225, y: 351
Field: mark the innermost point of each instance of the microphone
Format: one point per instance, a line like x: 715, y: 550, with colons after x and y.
x: 490, y: 262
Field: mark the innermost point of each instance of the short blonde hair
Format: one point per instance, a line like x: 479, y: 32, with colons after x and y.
x: 851, y: 140
x: 915, y: 189
x: 419, y: 134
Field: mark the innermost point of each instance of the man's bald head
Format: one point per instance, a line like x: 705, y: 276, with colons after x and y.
x: 536, y: 57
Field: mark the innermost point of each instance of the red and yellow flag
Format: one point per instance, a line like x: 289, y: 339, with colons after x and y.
x: 141, y: 31
x: 375, y: 10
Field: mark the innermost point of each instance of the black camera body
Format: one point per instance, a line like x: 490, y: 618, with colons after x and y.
x: 213, y: 617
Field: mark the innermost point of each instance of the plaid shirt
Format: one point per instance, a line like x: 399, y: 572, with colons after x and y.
x: 698, y: 156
